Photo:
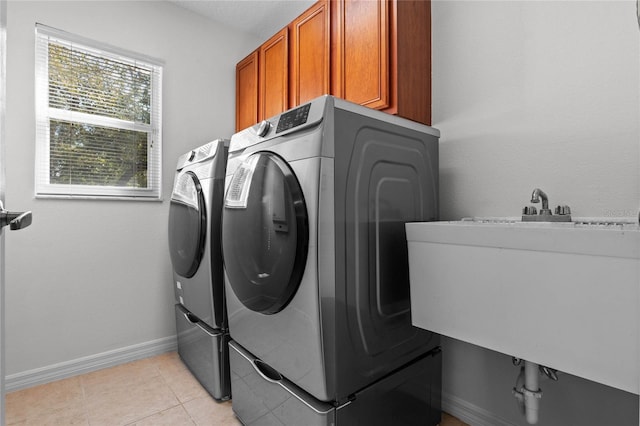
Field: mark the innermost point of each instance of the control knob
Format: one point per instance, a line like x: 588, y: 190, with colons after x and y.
x: 263, y: 128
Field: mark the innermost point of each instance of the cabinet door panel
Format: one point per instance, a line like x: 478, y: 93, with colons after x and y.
x: 274, y: 74
x: 310, y: 54
x: 410, y: 53
x: 365, y: 52
x: 247, y: 92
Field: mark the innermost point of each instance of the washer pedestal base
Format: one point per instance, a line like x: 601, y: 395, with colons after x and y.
x: 261, y: 396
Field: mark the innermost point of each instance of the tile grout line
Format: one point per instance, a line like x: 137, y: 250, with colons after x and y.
x: 166, y: 382
x: 152, y: 414
x: 180, y: 402
x: 190, y: 416
x: 154, y: 364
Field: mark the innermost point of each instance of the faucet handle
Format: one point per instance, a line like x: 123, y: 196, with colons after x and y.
x: 529, y: 210
x: 563, y: 210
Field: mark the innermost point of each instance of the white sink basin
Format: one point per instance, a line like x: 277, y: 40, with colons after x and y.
x: 564, y: 295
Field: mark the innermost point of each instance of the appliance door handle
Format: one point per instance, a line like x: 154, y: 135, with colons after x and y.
x: 193, y: 320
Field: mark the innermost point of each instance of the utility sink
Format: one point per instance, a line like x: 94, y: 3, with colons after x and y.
x: 563, y: 295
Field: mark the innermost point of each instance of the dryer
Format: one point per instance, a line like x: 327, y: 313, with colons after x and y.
x: 316, y: 269
x: 195, y: 248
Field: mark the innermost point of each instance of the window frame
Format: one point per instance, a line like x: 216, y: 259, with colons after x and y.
x: 44, y: 113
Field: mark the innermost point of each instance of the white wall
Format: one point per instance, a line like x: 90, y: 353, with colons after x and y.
x: 536, y: 94
x: 93, y: 276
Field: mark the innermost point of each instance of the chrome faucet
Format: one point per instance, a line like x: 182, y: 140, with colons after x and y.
x: 535, y: 198
x: 530, y: 214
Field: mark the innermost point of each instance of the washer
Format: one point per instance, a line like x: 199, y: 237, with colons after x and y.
x: 316, y: 265
x: 195, y: 247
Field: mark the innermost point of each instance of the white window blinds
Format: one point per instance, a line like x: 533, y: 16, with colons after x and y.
x: 98, y: 113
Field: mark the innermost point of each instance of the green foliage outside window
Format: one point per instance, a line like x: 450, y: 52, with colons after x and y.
x: 89, y: 154
x: 82, y: 154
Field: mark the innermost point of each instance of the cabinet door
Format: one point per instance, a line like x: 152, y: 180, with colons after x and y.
x: 274, y: 75
x: 247, y: 91
x: 310, y: 41
x: 362, y: 58
x: 410, y: 55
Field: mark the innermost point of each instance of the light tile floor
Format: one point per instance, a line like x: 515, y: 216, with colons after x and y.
x: 151, y: 392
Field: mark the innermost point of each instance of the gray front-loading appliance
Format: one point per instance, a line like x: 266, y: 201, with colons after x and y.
x: 316, y: 268
x: 195, y: 247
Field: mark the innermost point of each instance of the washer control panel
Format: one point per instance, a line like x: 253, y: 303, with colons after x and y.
x: 293, y: 118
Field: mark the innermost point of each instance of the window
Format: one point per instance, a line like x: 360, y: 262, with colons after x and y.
x: 98, y: 112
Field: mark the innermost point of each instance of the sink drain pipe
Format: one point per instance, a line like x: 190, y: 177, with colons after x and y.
x: 528, y: 393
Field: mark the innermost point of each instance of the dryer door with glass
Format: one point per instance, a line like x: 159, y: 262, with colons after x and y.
x: 265, y: 234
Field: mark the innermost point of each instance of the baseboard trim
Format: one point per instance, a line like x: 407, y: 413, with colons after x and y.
x: 469, y: 413
x: 90, y: 363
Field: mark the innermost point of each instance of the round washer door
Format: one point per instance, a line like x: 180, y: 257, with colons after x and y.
x: 187, y: 225
x: 265, y: 233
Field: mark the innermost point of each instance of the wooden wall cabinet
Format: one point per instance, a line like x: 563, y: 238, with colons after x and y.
x: 361, y: 52
x: 310, y: 61
x: 375, y: 53
x: 273, y: 91
x: 247, y: 91
x: 381, y: 55
x: 290, y: 68
x: 262, y: 81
